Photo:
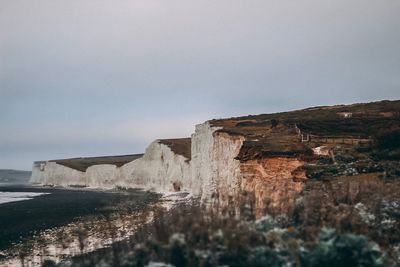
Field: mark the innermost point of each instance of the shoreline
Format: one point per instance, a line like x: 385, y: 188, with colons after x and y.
x: 24, y: 219
x: 99, y: 230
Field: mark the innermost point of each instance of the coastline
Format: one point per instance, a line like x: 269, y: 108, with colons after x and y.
x: 107, y: 225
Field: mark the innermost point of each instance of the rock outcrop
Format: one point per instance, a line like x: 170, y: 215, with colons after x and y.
x: 275, y: 182
x: 264, y: 155
x: 164, y: 167
x: 215, y: 171
x: 161, y: 168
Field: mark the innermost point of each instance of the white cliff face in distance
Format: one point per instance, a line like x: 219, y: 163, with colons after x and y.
x: 262, y: 156
x: 209, y: 168
x: 51, y: 173
x: 159, y: 169
x: 214, y: 167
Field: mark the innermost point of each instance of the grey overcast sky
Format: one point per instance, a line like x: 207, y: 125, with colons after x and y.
x: 96, y: 77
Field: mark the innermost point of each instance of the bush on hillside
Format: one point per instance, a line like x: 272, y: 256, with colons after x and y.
x: 388, y: 139
x: 204, y: 240
x: 343, y: 250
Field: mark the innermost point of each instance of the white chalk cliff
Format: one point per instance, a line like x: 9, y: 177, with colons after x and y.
x: 159, y: 169
x: 210, y: 169
x: 266, y: 155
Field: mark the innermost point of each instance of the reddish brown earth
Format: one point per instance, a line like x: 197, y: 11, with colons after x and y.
x: 274, y: 181
x: 276, y: 165
x: 275, y: 134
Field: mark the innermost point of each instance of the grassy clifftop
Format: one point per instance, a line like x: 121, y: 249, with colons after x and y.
x: 282, y: 133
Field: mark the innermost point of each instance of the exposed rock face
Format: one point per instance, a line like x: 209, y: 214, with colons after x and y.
x: 215, y: 171
x: 274, y: 182
x: 159, y: 169
x: 99, y: 176
x: 102, y: 176
x: 261, y: 154
x: 56, y: 174
x: 202, y: 173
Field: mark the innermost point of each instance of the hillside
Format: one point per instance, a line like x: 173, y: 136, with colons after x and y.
x: 280, y: 133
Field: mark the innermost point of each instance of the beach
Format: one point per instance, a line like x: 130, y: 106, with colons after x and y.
x: 49, y: 208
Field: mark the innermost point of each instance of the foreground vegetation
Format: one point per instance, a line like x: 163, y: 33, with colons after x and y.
x: 347, y: 215
x: 331, y: 225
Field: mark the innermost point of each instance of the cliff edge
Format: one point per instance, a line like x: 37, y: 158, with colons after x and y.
x: 270, y: 156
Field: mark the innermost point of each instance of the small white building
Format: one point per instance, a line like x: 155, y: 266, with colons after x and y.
x: 345, y: 115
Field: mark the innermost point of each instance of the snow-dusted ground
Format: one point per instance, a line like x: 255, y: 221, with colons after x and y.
x: 6, y: 197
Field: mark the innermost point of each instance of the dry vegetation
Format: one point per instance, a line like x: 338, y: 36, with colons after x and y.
x: 275, y: 134
x: 345, y: 221
x: 180, y: 146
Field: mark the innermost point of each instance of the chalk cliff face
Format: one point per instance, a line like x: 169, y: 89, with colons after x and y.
x: 215, y: 171
x: 160, y: 169
x: 56, y: 174
x: 102, y: 176
x: 261, y: 154
x: 99, y: 176
x: 202, y: 157
x: 274, y: 181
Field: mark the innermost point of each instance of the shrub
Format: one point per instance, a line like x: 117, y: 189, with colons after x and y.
x: 204, y: 239
x: 265, y: 256
x: 388, y: 139
x: 178, y: 250
x: 343, y: 250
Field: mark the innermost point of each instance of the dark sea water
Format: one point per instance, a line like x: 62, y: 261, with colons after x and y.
x: 14, y: 176
x: 56, y: 207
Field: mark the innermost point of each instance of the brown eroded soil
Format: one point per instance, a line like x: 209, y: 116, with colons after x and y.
x: 180, y: 146
x: 81, y: 164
